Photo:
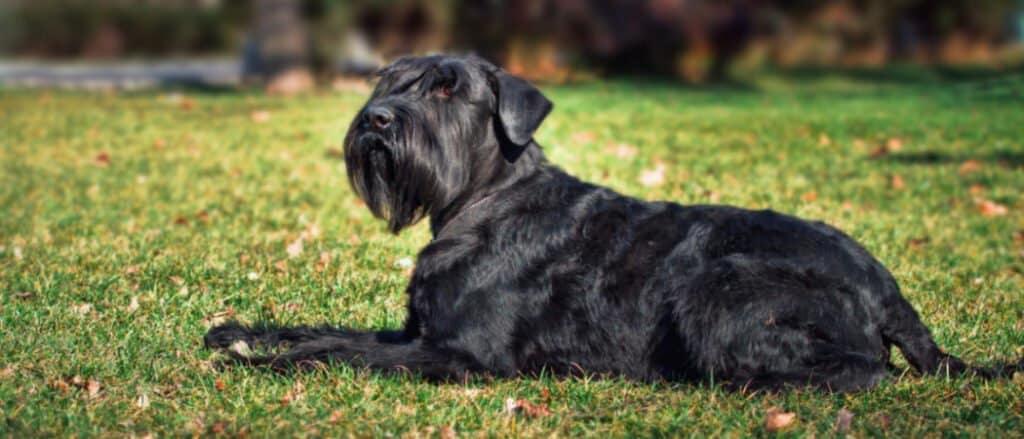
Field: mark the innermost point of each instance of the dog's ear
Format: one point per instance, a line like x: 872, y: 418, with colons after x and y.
x: 521, y: 109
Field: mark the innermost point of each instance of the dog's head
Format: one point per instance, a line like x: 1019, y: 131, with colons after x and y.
x: 434, y: 129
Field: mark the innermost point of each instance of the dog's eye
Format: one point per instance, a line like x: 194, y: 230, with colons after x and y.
x: 444, y: 90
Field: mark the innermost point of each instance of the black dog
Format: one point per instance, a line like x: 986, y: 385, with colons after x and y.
x: 531, y: 269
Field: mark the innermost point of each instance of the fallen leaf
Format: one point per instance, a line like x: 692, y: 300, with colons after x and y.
x: 259, y: 116
x: 180, y: 221
x: 281, y: 266
x: 976, y: 189
x: 545, y: 395
x: 131, y: 269
x: 622, y: 150
x: 334, y: 153
x: 917, y: 243
x: 777, y: 419
x: 447, y: 432
x: 991, y: 208
x: 843, y: 420
x: 202, y: 216
x: 218, y: 427
x: 847, y: 205
x: 584, y: 136
x: 7, y: 371
x: 133, y: 305
x: 881, y: 151
x: 142, y: 401
x: 219, y: 385
x: 93, y: 388
x: 186, y: 103
x: 177, y: 280
x: 325, y: 260
x: 654, y: 176
x: 1019, y: 236
x: 897, y: 182
x: 894, y: 144
x: 294, y: 249
x: 103, y: 159
x: 25, y: 295
x: 82, y: 308
x: 293, y: 394
x: 159, y: 144
x: 531, y: 410
x: 824, y: 140
x: 810, y: 196
x: 969, y: 166
x: 335, y: 416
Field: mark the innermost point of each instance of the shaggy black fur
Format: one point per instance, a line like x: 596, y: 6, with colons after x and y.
x: 531, y: 269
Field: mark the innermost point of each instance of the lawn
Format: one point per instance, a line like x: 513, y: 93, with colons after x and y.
x: 129, y: 223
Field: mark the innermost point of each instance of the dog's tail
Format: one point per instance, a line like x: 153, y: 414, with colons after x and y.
x: 907, y: 332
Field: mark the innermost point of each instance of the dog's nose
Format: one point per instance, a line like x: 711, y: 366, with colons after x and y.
x: 378, y: 117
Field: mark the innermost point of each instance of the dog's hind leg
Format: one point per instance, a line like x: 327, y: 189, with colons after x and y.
x: 843, y: 372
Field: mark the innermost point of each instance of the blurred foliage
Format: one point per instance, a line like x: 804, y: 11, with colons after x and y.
x: 696, y: 39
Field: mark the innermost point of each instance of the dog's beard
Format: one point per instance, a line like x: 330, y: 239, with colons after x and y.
x: 398, y: 176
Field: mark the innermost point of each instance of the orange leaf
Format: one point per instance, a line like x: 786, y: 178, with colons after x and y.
x: 969, y: 166
x: 259, y: 116
x: 103, y: 159
x: 584, y: 136
x: 897, y: 182
x: 810, y: 196
x: 777, y: 419
x: 219, y: 385
x: 991, y: 208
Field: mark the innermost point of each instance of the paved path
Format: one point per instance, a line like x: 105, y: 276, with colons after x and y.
x: 120, y: 75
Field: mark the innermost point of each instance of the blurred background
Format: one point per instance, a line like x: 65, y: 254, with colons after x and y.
x: 289, y: 46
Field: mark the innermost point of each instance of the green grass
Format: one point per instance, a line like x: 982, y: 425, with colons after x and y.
x: 197, y: 196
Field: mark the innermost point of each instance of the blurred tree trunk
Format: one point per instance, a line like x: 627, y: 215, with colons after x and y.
x: 278, y: 53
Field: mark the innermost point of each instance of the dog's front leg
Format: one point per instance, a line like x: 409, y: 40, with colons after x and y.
x: 389, y: 351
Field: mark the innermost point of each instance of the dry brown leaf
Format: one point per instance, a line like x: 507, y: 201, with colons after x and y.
x: 259, y: 116
x: 133, y: 305
x: 25, y: 295
x: 294, y: 394
x: 531, y: 410
x: 324, y: 261
x: 103, y: 159
x: 969, y: 166
x: 917, y: 243
x: 653, y: 177
x: 159, y: 144
x: 180, y: 221
x: 843, y: 420
x: 810, y: 196
x: 847, y: 205
x: 881, y: 151
x: 294, y: 249
x: 202, y: 216
x: 218, y: 427
x: 897, y: 182
x: 281, y: 266
x: 93, y: 388
x: 991, y: 208
x: 777, y: 419
x: 219, y: 385
x: 186, y: 103
x: 336, y: 416
x: 976, y: 189
x: 1019, y: 236
x: 545, y: 395
x: 584, y: 137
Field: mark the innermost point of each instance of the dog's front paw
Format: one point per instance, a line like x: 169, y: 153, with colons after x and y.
x: 226, y: 335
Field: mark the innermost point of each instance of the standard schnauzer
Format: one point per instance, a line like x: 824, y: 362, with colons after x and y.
x: 532, y: 270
